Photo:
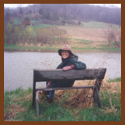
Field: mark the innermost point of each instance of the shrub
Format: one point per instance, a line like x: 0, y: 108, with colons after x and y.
x: 50, y: 35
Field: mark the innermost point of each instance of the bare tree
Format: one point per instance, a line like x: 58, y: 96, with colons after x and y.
x: 113, y: 35
x: 118, y: 38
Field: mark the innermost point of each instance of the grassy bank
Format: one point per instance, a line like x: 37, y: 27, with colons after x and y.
x: 76, y: 47
x: 18, y: 106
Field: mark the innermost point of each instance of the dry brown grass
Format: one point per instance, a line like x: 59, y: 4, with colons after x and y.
x: 95, y: 37
x: 82, y: 98
x: 73, y: 97
x: 112, y: 86
x: 92, y: 34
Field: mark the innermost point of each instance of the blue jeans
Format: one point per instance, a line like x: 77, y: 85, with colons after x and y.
x: 58, y: 84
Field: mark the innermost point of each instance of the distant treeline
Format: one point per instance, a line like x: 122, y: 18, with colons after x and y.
x: 67, y: 12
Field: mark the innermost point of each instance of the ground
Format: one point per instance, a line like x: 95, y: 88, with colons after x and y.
x: 93, y: 34
x: 94, y: 37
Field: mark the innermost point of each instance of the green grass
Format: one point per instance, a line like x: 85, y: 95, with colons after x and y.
x: 48, y: 47
x: 115, y: 80
x: 110, y: 49
x: 101, y: 47
x: 29, y: 48
x: 35, y: 21
x: 11, y: 46
x: 20, y: 102
x: 36, y: 27
x: 105, y: 49
x: 14, y: 47
x: 81, y: 40
x: 17, y: 21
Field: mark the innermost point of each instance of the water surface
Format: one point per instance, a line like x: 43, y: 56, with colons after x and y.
x: 18, y: 66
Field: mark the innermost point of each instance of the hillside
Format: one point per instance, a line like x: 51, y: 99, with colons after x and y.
x: 36, y: 30
x: 66, y: 13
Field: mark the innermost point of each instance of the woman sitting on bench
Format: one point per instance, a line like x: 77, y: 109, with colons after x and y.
x: 69, y: 61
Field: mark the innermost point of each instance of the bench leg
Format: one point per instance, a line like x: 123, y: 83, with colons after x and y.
x: 97, y: 97
x: 100, y: 103
x: 37, y: 104
x: 34, y: 94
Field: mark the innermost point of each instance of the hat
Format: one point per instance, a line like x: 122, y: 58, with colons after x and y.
x: 65, y: 47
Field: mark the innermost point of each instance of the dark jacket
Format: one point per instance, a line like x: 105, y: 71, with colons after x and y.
x: 72, y: 61
x: 68, y: 62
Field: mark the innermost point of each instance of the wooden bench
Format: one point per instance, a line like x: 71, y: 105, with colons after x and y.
x: 59, y: 74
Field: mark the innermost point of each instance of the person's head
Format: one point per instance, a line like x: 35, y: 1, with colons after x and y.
x: 65, y: 52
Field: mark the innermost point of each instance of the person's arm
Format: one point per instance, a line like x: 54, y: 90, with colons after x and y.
x: 79, y: 65
x: 68, y: 67
x: 59, y: 66
x: 76, y: 65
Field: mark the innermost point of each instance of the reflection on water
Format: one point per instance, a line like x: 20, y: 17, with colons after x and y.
x: 18, y: 66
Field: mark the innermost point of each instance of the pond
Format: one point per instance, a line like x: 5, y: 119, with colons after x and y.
x: 18, y: 66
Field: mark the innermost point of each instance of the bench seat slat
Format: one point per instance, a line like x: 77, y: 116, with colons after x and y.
x: 64, y: 88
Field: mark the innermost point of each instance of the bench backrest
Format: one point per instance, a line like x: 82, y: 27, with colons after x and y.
x: 59, y: 74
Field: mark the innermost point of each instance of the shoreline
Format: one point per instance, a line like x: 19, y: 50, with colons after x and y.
x: 49, y: 48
